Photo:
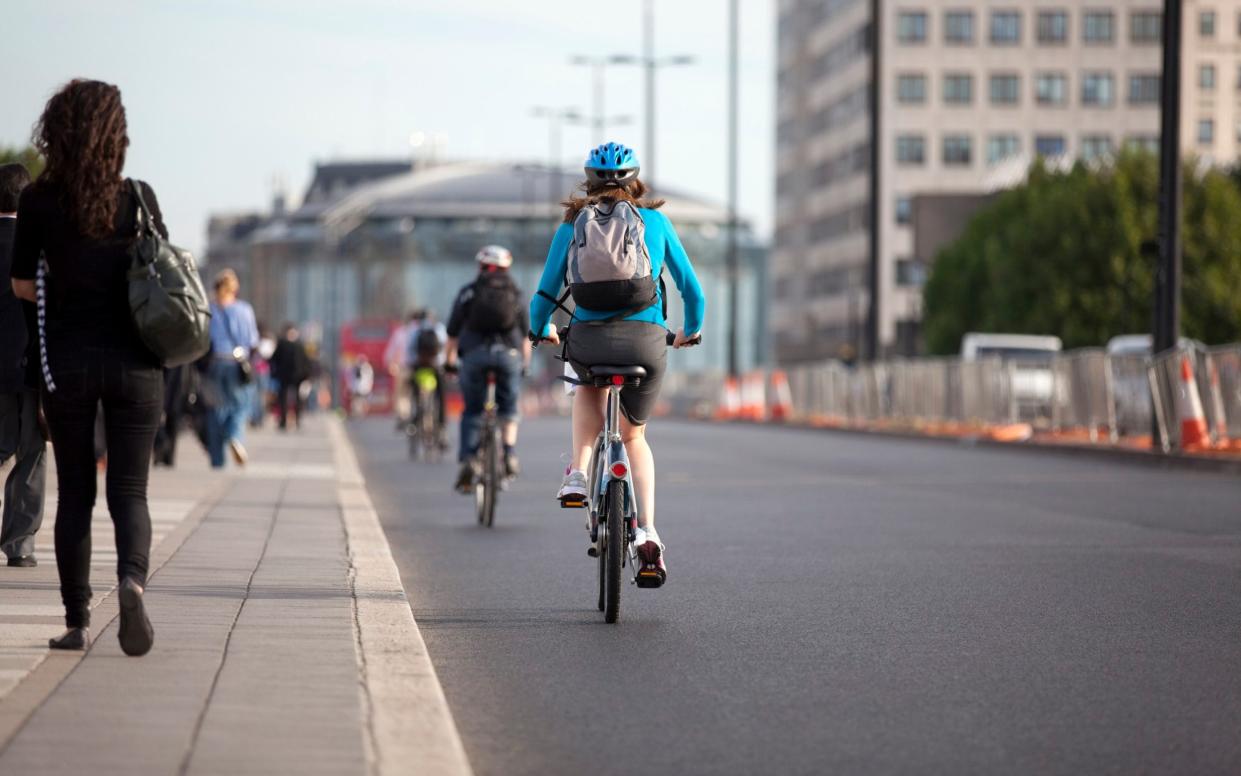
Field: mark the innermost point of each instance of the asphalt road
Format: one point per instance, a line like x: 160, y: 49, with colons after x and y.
x: 835, y: 604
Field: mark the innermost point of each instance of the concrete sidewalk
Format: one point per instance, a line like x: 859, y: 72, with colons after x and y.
x: 284, y: 641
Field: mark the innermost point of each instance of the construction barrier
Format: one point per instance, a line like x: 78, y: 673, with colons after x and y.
x: 1190, y: 397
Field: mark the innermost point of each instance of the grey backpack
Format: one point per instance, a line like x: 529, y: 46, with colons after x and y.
x: 609, y: 268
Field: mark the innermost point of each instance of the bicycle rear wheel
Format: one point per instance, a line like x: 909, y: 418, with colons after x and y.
x: 615, y: 551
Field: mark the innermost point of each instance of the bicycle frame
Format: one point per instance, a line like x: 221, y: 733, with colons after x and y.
x: 609, y: 452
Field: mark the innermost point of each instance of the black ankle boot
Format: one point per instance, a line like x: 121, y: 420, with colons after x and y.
x: 74, y: 638
x: 136, y: 634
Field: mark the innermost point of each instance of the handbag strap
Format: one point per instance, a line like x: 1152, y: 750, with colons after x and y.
x: 40, y: 285
x: 144, y: 221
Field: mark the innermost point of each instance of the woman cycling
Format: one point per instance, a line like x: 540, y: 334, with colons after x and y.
x: 80, y: 217
x: 619, y: 318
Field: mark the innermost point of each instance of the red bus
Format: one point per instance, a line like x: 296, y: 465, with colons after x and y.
x: 367, y: 337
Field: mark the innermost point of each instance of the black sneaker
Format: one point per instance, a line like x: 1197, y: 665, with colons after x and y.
x: 512, y: 467
x: 466, y: 477
x: 25, y: 562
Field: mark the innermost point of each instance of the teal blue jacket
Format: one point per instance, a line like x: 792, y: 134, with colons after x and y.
x: 665, y: 250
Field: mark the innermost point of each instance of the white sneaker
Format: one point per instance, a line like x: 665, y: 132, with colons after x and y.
x: 644, y: 535
x: 573, y: 487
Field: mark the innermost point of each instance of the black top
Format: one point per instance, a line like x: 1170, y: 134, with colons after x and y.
x: 87, y: 289
x: 468, y: 339
x: 290, y: 363
x: 16, y: 367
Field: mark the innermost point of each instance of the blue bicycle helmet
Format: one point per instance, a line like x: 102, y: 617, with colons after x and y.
x: 612, y: 164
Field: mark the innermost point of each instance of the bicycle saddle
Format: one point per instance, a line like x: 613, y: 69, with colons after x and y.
x: 615, y: 371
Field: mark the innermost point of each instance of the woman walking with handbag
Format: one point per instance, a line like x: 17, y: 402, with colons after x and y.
x: 234, y: 336
x: 82, y: 217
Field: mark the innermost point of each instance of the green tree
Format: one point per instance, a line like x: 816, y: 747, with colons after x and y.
x: 27, y: 156
x: 1062, y: 254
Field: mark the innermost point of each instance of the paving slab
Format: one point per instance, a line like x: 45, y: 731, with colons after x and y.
x: 269, y: 655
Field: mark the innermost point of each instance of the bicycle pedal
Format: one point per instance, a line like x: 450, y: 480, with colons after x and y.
x: 650, y: 576
x: 572, y: 503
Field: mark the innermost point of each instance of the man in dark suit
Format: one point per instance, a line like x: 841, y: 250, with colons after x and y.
x: 21, y: 435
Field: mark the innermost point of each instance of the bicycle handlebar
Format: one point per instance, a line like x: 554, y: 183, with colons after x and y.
x: 671, y: 337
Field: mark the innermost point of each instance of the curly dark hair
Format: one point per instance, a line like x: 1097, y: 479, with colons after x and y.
x: 633, y: 192
x: 82, y: 135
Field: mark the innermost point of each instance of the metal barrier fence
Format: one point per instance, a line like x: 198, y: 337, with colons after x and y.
x: 1079, y: 395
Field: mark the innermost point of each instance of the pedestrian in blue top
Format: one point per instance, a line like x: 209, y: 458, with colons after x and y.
x: 234, y: 335
x: 612, y: 250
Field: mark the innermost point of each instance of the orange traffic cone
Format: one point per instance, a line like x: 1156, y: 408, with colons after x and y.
x: 781, y: 397
x: 1189, y: 407
x: 730, y: 401
x: 754, y: 397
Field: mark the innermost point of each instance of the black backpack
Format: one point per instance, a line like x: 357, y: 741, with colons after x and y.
x: 494, y: 308
x: 427, y: 344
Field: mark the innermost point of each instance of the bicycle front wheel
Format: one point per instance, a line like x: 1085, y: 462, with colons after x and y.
x: 615, y: 552
x: 492, y: 475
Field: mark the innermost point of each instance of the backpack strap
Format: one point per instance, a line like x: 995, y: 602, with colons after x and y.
x: 558, y: 302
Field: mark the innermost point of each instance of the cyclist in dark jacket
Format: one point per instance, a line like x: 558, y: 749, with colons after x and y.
x: 487, y: 330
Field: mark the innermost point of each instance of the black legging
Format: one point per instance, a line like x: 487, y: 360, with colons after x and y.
x: 132, y: 396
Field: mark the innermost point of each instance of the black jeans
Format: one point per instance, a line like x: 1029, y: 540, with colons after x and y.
x: 131, y: 393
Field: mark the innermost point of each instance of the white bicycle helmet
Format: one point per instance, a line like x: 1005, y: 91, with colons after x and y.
x: 495, y: 255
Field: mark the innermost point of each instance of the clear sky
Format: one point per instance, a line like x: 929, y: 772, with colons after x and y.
x: 229, y: 96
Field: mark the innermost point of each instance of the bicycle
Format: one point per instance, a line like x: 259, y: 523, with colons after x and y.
x: 491, y: 465
x: 423, y: 429
x: 611, y: 501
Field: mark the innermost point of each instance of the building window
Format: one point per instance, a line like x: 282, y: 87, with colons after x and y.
x: 910, y: 149
x: 1005, y: 28
x: 911, y: 27
x: 1144, y: 89
x: 904, y: 210
x: 1206, y: 77
x: 910, y: 272
x: 1147, y: 143
x: 1005, y: 89
x: 1145, y: 27
x: 1096, y: 147
x: 911, y: 88
x: 1051, y: 88
x: 1049, y: 145
x: 1053, y: 27
x: 1001, y: 147
x: 1206, y: 24
x: 957, y: 150
x: 1098, y: 90
x: 958, y: 89
x: 1206, y: 132
x: 959, y: 27
x: 1098, y: 27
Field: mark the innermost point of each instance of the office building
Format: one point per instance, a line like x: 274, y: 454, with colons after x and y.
x: 967, y: 92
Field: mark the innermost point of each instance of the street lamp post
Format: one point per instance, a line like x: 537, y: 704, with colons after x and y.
x: 652, y: 64
x: 556, y: 119
x: 1168, y: 277
x: 733, y: 259
x: 598, y: 66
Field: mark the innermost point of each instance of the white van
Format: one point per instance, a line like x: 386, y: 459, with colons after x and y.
x: 1029, y: 357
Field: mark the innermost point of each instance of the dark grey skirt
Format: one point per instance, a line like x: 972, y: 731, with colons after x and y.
x: 623, y: 343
